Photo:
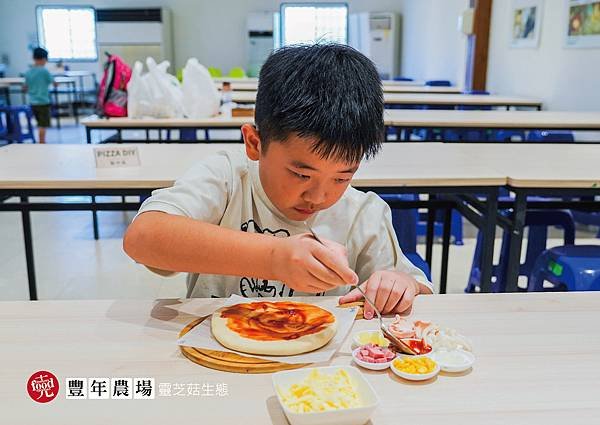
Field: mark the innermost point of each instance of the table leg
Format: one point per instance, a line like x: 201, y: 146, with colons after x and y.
x: 516, y: 241
x: 488, y: 232
x: 95, y: 219
x: 25, y: 217
x: 430, y: 235
x: 88, y: 135
x: 445, y: 249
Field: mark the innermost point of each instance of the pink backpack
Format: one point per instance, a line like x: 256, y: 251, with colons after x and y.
x: 112, y: 95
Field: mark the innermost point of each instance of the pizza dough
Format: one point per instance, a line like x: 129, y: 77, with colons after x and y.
x: 273, y: 328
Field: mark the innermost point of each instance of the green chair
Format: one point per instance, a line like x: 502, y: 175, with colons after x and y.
x: 215, y: 72
x: 179, y: 75
x: 237, y: 72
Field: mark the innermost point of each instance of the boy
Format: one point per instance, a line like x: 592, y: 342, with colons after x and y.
x: 319, y: 112
x: 37, y: 80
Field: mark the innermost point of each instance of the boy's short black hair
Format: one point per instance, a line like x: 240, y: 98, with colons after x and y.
x: 329, y: 92
x: 39, y: 53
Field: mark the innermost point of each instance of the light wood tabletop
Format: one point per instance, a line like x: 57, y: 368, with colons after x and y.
x: 216, y: 122
x: 447, y: 99
x: 21, y: 80
x: 571, y: 120
x: 541, y: 166
x: 493, y: 119
x: 536, y: 363
x: 387, y: 87
x: 72, y: 166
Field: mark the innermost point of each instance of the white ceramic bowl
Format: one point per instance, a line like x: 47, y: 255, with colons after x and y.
x: 467, y: 359
x: 368, y: 365
x: 352, y: 416
x: 356, y: 341
x: 415, y: 376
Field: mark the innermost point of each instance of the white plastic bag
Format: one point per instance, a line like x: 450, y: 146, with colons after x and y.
x: 200, y: 96
x: 156, y: 94
x: 139, y: 102
x: 165, y: 91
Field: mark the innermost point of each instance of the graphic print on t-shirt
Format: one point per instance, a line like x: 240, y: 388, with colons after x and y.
x: 255, y: 287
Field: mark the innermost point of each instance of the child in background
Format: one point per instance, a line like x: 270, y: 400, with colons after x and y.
x: 37, y: 80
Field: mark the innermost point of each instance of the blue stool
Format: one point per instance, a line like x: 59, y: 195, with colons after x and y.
x: 550, y: 136
x: 438, y: 83
x: 15, y: 132
x: 405, y: 224
x: 538, y: 222
x: 568, y: 268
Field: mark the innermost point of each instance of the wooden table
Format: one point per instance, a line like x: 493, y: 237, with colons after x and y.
x: 69, y: 81
x: 62, y: 170
x: 387, y: 87
x: 119, y: 124
x: 496, y: 119
x: 399, y: 118
x: 431, y: 99
x: 521, y: 375
x: 558, y: 172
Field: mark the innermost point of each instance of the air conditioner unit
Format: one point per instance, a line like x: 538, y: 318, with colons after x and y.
x: 377, y: 35
x: 135, y: 34
x: 260, y: 40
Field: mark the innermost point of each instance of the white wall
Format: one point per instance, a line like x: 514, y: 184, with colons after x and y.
x: 215, y: 31
x: 565, y: 79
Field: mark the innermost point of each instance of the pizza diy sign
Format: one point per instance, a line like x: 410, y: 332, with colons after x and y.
x: 114, y: 157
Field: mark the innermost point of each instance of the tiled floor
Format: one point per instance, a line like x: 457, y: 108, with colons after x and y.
x: 70, y: 264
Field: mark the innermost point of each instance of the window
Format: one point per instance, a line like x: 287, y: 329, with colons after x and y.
x: 309, y: 23
x: 68, y: 33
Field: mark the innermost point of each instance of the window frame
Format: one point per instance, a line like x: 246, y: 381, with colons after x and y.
x: 283, y: 5
x: 39, y: 26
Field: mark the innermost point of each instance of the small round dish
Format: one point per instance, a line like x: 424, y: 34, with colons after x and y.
x: 369, y: 365
x: 414, y: 376
x: 454, y: 361
x: 375, y: 337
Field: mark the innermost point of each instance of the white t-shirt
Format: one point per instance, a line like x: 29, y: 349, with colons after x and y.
x: 225, y: 189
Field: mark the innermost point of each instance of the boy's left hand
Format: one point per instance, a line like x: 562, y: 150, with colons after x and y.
x: 391, y: 291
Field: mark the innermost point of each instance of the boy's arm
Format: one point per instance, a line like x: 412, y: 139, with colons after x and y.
x: 176, y: 243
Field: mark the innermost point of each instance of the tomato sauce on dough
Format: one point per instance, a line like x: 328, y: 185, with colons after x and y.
x: 274, y: 321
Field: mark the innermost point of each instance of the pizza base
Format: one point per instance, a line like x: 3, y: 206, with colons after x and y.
x: 234, y: 341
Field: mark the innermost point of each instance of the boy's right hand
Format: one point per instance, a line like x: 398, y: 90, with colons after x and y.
x: 305, y: 265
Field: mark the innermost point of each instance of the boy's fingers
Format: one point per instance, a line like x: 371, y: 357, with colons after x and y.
x: 394, y: 299
x: 370, y: 288
x: 324, y: 274
x: 352, y: 296
x: 383, y: 294
x: 336, y: 264
x: 405, y: 303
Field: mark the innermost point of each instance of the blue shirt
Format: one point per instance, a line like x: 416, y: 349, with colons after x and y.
x: 38, y: 79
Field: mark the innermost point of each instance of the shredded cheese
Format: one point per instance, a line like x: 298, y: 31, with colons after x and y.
x: 320, y: 392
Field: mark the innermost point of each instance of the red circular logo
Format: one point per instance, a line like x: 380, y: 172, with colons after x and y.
x: 42, y: 386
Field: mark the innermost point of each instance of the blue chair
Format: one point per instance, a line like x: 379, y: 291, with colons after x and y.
x: 456, y: 226
x: 3, y: 124
x: 405, y: 223
x: 15, y: 132
x: 587, y: 218
x: 507, y: 135
x: 538, y: 222
x: 568, y: 268
x: 403, y: 79
x: 438, y: 83
x: 550, y: 136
